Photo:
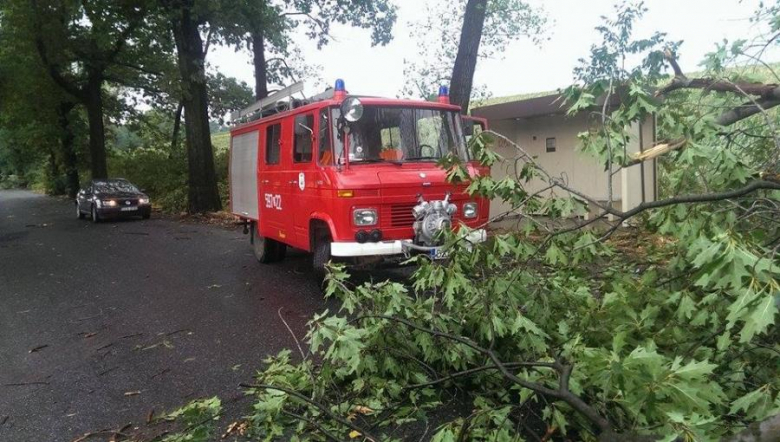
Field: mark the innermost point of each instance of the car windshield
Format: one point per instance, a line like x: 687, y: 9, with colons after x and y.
x: 403, y: 134
x: 115, y: 187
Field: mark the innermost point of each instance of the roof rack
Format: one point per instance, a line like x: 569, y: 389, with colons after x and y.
x: 267, y: 102
x: 278, y: 101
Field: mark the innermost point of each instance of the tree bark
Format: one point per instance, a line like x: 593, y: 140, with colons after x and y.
x: 258, y: 51
x: 68, y: 151
x: 93, y: 100
x: 468, y: 49
x: 53, y: 185
x: 203, y: 193
x: 176, y: 127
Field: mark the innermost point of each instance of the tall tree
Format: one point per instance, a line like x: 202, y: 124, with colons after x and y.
x: 186, y: 19
x: 271, y: 25
x: 468, y: 49
x: 83, y: 45
x: 444, y: 57
x: 35, y: 114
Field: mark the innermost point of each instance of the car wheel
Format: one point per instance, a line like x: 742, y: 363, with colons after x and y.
x: 320, y: 256
x: 79, y: 215
x: 95, y: 216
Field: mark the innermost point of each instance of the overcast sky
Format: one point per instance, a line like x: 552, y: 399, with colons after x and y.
x: 524, y: 67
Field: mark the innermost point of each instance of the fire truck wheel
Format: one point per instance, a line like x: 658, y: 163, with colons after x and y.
x: 320, y: 255
x: 265, y: 249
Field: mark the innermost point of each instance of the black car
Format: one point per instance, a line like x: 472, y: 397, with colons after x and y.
x: 112, y: 198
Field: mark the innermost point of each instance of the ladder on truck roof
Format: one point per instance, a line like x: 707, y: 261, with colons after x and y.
x: 275, y: 103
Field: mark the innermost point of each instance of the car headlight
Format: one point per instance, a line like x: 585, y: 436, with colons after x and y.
x: 143, y: 200
x: 364, y: 217
x: 470, y: 210
x: 107, y: 203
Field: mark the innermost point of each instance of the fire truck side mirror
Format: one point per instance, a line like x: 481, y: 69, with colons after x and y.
x: 468, y: 127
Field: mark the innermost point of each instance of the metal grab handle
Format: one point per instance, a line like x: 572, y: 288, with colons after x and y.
x: 293, y: 182
x: 265, y: 181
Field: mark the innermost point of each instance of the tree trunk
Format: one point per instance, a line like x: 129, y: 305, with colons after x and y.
x: 258, y: 51
x: 468, y: 49
x: 97, y: 135
x: 203, y: 193
x: 68, y: 151
x: 53, y: 183
x: 176, y: 127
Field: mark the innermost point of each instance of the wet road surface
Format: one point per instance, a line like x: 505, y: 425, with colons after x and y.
x: 101, y: 323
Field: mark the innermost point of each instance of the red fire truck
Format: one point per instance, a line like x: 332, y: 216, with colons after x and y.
x: 345, y: 176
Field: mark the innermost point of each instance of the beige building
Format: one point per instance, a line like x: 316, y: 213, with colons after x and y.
x: 539, y: 125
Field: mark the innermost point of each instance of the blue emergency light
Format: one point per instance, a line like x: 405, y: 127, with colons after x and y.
x: 444, y: 91
x: 340, y: 85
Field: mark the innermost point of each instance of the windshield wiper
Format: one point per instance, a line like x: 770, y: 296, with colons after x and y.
x: 420, y: 158
x: 375, y: 160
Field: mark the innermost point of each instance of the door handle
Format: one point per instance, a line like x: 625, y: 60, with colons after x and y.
x: 292, y: 182
x: 265, y: 182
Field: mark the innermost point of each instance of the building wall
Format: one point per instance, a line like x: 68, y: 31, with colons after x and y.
x: 578, y: 169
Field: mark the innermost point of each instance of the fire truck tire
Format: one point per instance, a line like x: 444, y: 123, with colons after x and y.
x: 320, y: 255
x: 265, y: 249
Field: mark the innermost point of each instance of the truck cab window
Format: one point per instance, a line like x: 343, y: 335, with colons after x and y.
x: 272, y: 146
x: 325, y: 147
x: 303, y: 138
x: 401, y: 134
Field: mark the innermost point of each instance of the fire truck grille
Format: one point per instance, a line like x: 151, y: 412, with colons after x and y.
x: 401, y: 215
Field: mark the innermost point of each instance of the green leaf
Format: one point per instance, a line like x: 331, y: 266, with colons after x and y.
x: 759, y: 318
x: 747, y: 401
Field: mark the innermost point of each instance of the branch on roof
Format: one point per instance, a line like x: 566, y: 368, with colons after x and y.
x: 743, y: 111
x: 710, y: 84
x: 762, y: 97
x: 681, y: 81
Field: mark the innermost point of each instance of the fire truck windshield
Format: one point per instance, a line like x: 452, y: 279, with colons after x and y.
x: 403, y: 134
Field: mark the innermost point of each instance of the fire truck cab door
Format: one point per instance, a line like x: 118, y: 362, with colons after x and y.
x: 273, y: 164
x: 302, y: 177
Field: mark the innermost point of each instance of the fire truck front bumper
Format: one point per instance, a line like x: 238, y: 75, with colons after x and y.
x: 386, y: 248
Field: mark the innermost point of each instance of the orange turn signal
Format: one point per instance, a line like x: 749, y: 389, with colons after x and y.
x: 345, y: 193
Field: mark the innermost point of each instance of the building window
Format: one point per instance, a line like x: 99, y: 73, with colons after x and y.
x: 550, y: 144
x: 303, y: 138
x: 272, y: 146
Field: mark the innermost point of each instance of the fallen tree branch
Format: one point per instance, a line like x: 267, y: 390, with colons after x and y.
x: 656, y: 151
x: 565, y: 395
x: 478, y: 370
x: 316, y: 404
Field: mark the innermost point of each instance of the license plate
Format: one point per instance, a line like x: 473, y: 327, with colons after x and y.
x: 438, y: 253
x: 128, y: 209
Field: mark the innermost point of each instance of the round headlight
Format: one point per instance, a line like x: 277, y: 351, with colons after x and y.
x: 352, y: 109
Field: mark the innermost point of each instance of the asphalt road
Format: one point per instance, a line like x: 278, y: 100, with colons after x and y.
x: 101, y: 323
